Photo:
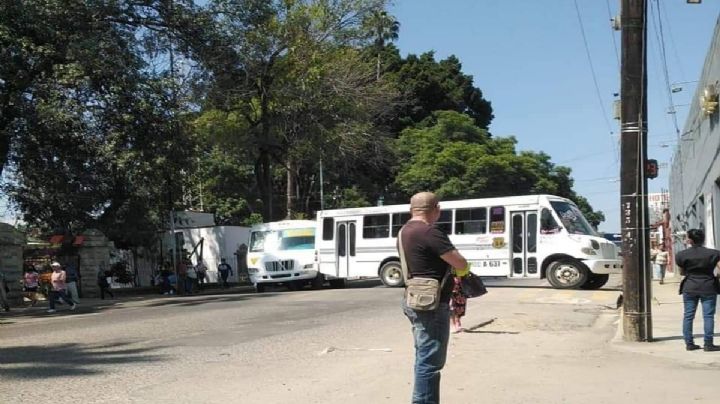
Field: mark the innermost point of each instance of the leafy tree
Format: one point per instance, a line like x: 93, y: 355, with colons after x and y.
x: 450, y: 155
x: 295, y: 78
x: 91, y: 129
x: 429, y: 86
x: 382, y: 28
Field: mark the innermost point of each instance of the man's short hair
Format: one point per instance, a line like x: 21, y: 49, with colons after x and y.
x: 423, y: 202
x: 697, y: 236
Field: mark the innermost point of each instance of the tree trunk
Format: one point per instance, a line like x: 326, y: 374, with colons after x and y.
x: 377, y: 77
x: 263, y: 176
x: 291, y: 189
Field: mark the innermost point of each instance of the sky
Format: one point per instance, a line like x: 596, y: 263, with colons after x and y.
x: 530, y: 61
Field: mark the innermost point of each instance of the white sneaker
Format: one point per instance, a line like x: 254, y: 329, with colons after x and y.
x: 50, y: 311
x: 73, y: 306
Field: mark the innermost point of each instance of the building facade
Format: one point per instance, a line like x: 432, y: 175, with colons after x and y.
x: 695, y: 172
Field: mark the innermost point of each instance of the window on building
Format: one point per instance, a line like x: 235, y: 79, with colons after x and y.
x: 376, y: 226
x: 471, y: 221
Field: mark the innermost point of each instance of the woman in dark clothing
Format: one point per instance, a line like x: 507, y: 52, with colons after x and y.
x: 700, y: 285
x: 104, y: 285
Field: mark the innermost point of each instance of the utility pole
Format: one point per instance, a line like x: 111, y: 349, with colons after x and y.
x: 637, y: 320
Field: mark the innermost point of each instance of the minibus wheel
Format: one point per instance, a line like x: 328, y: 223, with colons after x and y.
x: 567, y: 273
x: 391, y: 274
x: 317, y: 282
x: 595, y: 281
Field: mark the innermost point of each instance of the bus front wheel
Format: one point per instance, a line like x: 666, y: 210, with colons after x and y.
x: 567, y: 273
x: 391, y: 274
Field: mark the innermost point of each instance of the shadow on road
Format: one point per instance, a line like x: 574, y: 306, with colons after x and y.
x: 680, y: 337
x: 200, y: 300
x: 41, y: 362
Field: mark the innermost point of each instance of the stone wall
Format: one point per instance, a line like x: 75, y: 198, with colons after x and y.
x: 94, y: 255
x: 11, y: 260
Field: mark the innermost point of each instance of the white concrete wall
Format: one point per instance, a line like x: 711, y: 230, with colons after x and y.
x: 219, y: 242
x: 694, y: 191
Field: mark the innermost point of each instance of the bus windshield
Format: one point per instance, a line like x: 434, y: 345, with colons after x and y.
x: 572, y: 219
x: 282, y: 240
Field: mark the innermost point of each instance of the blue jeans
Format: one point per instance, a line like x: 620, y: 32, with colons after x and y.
x: 709, y: 302
x: 431, y: 331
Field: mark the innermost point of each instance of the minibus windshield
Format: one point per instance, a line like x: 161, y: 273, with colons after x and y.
x: 572, y: 219
x: 281, y: 240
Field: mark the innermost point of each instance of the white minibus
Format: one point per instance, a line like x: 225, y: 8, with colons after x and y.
x: 282, y: 253
x: 533, y: 236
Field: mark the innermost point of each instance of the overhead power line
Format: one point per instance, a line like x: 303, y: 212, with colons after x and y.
x: 597, y: 86
x: 612, y: 34
x: 659, y: 34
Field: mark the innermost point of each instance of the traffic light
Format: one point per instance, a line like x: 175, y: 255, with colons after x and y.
x: 651, y: 168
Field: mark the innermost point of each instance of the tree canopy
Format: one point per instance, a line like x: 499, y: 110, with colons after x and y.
x: 112, y: 113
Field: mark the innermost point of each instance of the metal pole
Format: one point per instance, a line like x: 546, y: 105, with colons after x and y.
x: 173, y: 243
x: 637, y: 320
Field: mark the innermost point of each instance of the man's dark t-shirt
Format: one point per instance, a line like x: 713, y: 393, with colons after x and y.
x: 698, y: 264
x: 423, y: 245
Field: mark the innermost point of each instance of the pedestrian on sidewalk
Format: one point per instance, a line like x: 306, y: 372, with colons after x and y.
x: 191, y: 277
x: 182, y: 274
x: 57, y: 292
x: 428, y: 253
x: 71, y: 280
x: 661, y: 260
x: 201, y: 270
x: 3, y: 292
x: 103, y: 284
x: 31, y: 282
x: 225, y: 270
x: 458, y: 303
x: 699, y: 285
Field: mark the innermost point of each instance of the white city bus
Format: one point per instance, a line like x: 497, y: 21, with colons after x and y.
x: 282, y: 253
x: 534, y: 236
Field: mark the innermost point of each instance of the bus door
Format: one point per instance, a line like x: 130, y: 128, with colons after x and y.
x: 524, y: 241
x: 345, y: 242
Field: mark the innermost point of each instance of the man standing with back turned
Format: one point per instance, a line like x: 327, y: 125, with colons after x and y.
x: 429, y: 254
x: 698, y: 264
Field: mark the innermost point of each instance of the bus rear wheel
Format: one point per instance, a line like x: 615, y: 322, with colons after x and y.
x: 595, y: 281
x: 567, y: 273
x: 391, y: 274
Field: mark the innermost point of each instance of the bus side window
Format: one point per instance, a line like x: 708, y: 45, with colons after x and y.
x: 398, y: 220
x: 328, y: 228
x: 471, y: 221
x: 497, y: 219
x: 548, y: 225
x: 376, y: 226
x: 444, y: 222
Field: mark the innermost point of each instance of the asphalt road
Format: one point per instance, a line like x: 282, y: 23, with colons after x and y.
x: 330, y: 346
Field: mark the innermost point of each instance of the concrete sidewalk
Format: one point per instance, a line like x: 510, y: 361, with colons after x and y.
x: 667, y: 315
